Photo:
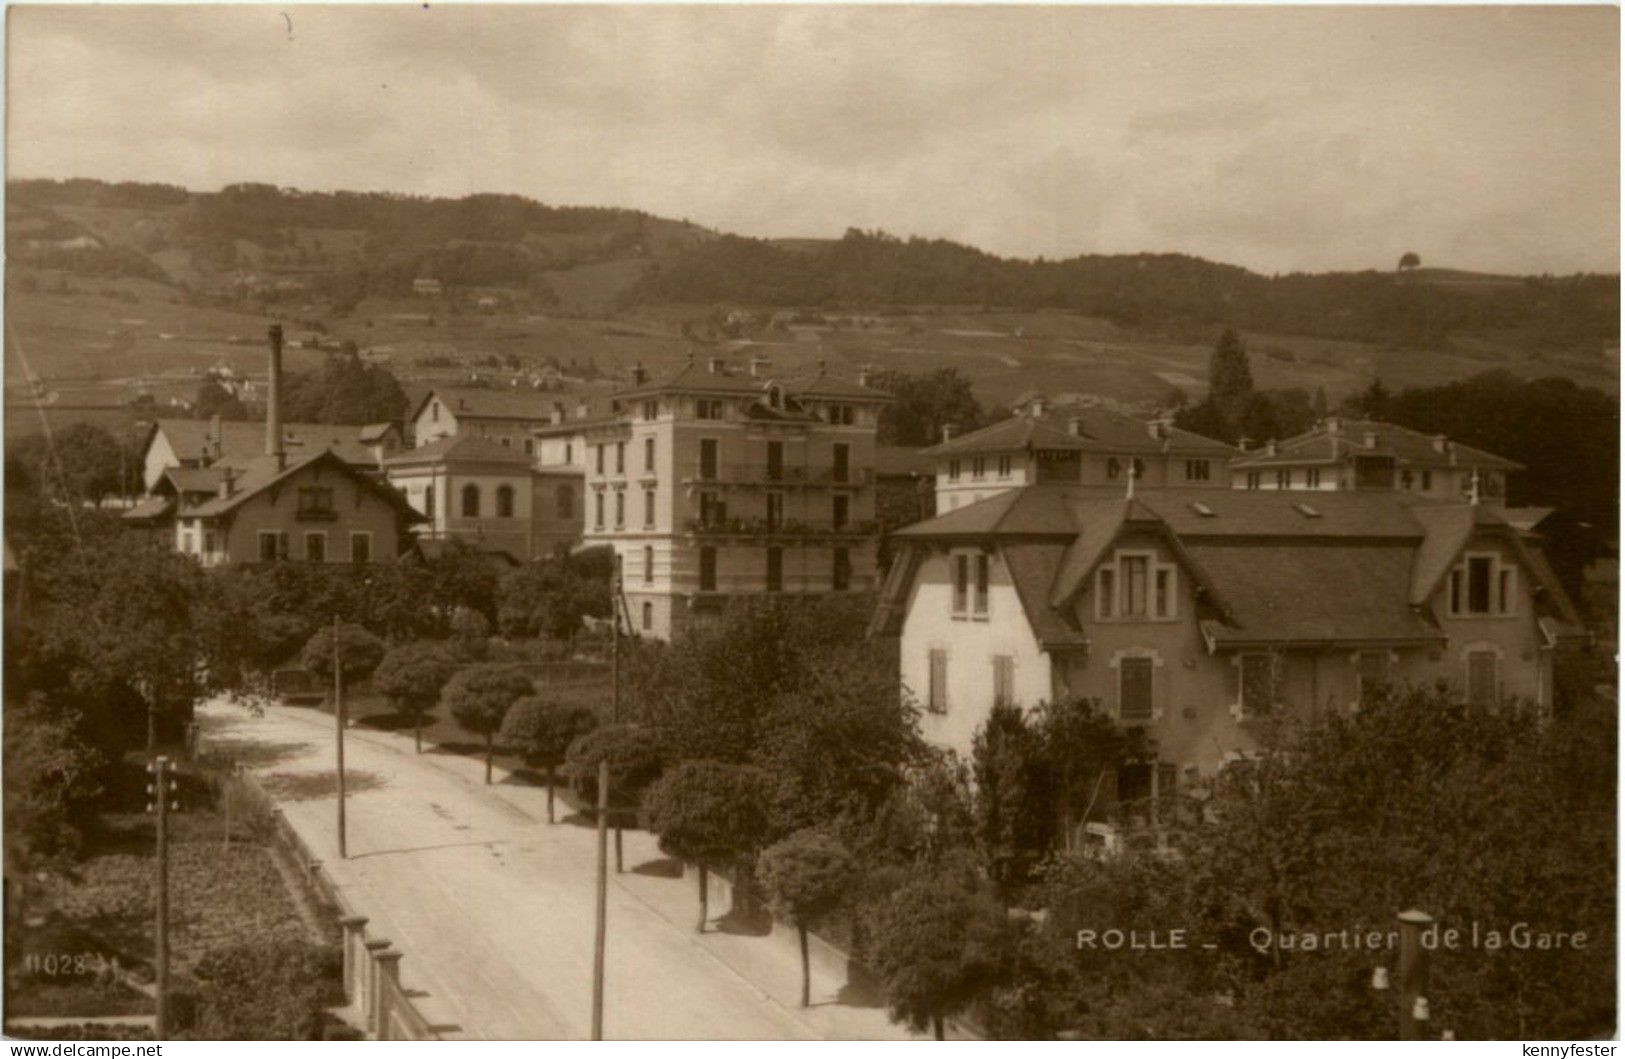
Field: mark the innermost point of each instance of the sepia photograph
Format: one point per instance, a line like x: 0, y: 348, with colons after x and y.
x: 810, y: 522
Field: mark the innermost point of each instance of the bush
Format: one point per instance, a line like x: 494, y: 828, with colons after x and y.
x: 277, y: 991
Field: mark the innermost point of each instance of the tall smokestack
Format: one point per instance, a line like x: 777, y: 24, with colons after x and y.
x: 273, y: 400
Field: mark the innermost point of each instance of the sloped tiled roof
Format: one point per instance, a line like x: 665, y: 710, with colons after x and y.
x: 1411, y: 448
x: 826, y: 385
x: 262, y: 473
x: 1088, y: 429
x: 475, y: 402
x: 1032, y: 566
x: 240, y: 440
x: 466, y: 447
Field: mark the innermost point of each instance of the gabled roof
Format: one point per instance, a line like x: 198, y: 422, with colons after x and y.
x: 1032, y: 566
x: 475, y: 402
x: 244, y: 440
x: 148, y: 510
x: 1336, y: 440
x: 375, y: 432
x: 1085, y: 429
x: 459, y: 447
x: 261, y: 474
x: 695, y: 379
x: 826, y: 385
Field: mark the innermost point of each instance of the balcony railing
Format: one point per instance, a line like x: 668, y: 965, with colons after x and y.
x: 315, y: 514
x: 756, y: 474
x: 764, y: 528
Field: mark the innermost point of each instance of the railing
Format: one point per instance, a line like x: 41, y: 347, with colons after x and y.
x: 757, y: 474
x: 700, y: 527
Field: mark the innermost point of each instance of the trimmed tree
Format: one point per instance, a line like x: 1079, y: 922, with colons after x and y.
x: 359, y: 653
x: 939, y: 944
x: 541, y: 731
x: 711, y: 813
x: 480, y: 696
x: 412, y: 676
x: 805, y: 877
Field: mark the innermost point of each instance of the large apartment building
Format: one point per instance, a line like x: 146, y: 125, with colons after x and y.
x: 714, y: 484
x: 1195, y: 612
x: 1087, y: 445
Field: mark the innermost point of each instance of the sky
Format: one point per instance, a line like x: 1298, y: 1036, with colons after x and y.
x: 1282, y: 139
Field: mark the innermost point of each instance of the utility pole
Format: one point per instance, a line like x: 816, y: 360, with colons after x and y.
x: 160, y: 789
x: 603, y: 899
x: 338, y: 720
x: 615, y: 670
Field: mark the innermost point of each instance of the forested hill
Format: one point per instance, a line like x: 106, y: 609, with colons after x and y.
x: 874, y: 269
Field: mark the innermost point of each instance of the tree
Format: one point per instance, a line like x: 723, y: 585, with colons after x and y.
x: 359, y: 653
x: 939, y: 944
x: 1230, y: 378
x: 1008, y: 769
x: 266, y: 990
x: 805, y: 877
x: 541, y: 731
x: 50, y: 778
x: 214, y: 399
x: 711, y: 813
x: 344, y: 390
x: 1409, y: 260
x: 480, y: 696
x: 81, y: 463
x: 923, y: 404
x: 412, y: 675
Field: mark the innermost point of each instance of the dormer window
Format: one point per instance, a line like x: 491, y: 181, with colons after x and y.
x: 1482, y: 585
x: 1136, y: 586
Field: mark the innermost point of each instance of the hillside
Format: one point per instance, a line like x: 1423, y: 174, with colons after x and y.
x: 124, y: 292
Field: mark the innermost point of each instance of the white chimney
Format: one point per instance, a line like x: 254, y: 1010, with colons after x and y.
x: 1074, y: 426
x: 1037, y: 408
x: 947, y: 432
x: 865, y: 373
x: 759, y: 366
x: 1371, y: 439
x: 1440, y: 443
x: 1242, y: 443
x: 1269, y: 447
x: 1334, y: 426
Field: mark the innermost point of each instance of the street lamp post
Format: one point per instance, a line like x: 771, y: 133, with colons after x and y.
x: 1412, y: 1001
x: 338, y: 722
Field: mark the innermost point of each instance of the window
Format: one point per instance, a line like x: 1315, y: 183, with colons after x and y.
x: 775, y: 461
x: 1196, y: 470
x: 1482, y: 585
x: 961, y: 583
x: 708, y: 458
x: 978, y: 466
x: 648, y: 616
x: 707, y: 408
x: 1004, y: 680
x: 839, y: 506
x: 273, y: 546
x: 953, y: 470
x: 651, y: 410
x: 775, y: 569
x: 648, y: 565
x: 1134, y: 688
x: 434, y: 412
x: 1283, y: 478
x: 1370, y: 673
x: 1160, y: 602
x: 1139, y: 468
x: 530, y: 446
x: 507, y: 442
x: 428, y: 500
x: 775, y: 510
x: 186, y: 543
x: 1004, y: 466
x: 648, y: 454
x: 648, y: 509
x: 1256, y: 674
x: 1311, y: 477
x: 708, y: 569
x: 937, y: 690
x: 1114, y: 467
x: 316, y: 547
x: 620, y: 510
x: 1483, y: 677
x: 208, y: 542
x: 1427, y: 481
x: 564, y: 500
x: 841, y: 577
x: 841, y: 414
x: 569, y: 452
x: 360, y: 547
x: 1133, y: 569
x: 1254, y: 479
x: 1106, y: 594
x: 598, y: 455
x: 471, y: 501
x: 315, y: 501
x: 713, y: 512
x: 843, y: 461
x: 620, y: 457
x: 980, y: 606
x: 504, y: 501
x: 1135, y: 585
x: 598, y: 511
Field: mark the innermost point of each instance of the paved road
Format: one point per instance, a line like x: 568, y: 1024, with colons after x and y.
x: 494, y: 909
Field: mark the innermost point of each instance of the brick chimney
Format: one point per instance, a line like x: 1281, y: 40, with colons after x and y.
x: 273, y: 400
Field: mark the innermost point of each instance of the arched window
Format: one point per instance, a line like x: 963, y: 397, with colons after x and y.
x: 471, y: 501
x: 504, y: 501
x: 566, y: 500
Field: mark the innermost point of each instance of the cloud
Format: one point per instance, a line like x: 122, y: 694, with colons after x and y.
x: 1278, y: 139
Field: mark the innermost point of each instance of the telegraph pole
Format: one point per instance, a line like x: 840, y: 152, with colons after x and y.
x: 603, y: 899
x: 615, y: 670
x: 338, y: 720
x: 161, y: 789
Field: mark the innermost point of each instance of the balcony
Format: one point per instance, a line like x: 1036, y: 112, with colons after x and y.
x: 315, y: 514
x: 761, y: 528
x: 755, y: 475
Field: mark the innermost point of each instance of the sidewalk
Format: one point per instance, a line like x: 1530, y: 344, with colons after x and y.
x: 494, y: 908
